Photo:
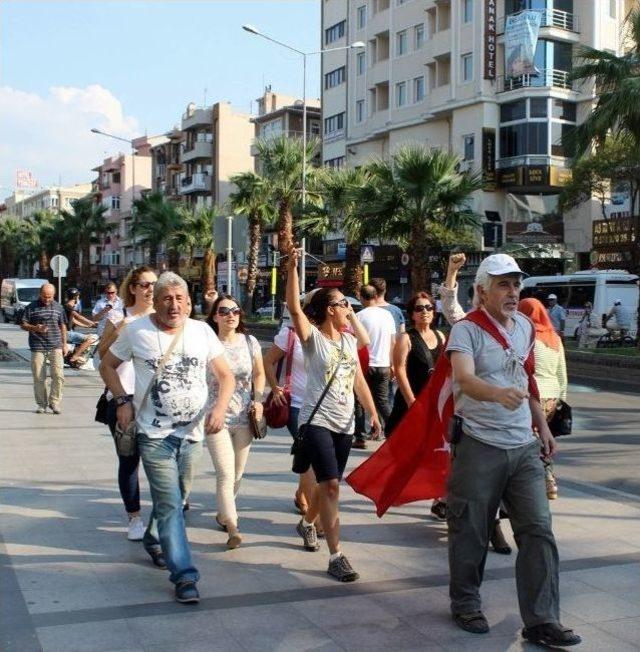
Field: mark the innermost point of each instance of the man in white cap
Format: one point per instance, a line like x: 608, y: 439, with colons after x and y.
x: 496, y: 457
x: 623, y: 317
x: 557, y: 314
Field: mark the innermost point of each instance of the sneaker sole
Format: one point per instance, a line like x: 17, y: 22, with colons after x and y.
x: 345, y: 578
x: 188, y: 600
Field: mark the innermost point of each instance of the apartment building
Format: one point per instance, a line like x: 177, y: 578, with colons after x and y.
x: 53, y: 198
x: 167, y: 166
x: 433, y: 72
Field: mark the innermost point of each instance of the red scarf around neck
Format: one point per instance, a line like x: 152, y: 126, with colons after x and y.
x: 414, y: 463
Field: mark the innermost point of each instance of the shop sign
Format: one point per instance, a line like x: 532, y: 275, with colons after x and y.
x: 490, y: 38
x: 511, y: 176
x: 330, y: 274
x: 560, y: 176
x: 614, y: 234
x: 489, y: 159
x: 537, y: 175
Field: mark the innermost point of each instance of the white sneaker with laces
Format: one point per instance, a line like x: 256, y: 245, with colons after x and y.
x: 135, y: 531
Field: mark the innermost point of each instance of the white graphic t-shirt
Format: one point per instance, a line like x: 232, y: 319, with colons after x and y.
x: 177, y: 402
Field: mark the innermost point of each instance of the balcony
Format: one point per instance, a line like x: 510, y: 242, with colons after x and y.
x: 197, y: 118
x: 551, y: 18
x: 198, y: 150
x: 548, y: 78
x: 199, y: 182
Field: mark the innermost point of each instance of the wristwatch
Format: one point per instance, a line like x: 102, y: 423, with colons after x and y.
x: 123, y: 400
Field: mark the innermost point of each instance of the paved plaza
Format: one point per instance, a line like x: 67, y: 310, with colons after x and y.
x: 72, y: 582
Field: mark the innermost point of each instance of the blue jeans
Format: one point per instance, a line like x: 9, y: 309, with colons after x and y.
x: 165, y: 462
x: 127, y: 469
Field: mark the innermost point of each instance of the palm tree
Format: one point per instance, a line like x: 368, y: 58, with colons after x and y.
x: 280, y: 161
x: 341, y: 190
x: 157, y: 218
x: 44, y: 225
x: 195, y: 231
x: 253, y: 199
x: 12, y: 237
x: 83, y: 226
x: 414, y: 196
x: 617, y: 82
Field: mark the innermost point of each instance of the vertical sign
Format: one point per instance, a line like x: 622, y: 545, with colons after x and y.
x: 520, y: 40
x: 490, y: 47
x: 489, y: 159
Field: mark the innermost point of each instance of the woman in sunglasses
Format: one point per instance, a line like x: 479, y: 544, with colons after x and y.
x: 229, y: 448
x: 326, y: 419
x: 136, y: 293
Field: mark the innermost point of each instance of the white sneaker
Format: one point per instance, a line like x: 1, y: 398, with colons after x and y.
x: 135, y: 531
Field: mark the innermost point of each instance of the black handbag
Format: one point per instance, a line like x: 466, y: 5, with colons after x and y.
x: 101, y: 408
x: 561, y: 422
x: 301, y: 460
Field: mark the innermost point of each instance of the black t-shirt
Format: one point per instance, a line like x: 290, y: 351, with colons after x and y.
x: 69, y: 315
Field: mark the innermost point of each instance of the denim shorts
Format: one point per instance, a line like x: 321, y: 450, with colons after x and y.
x: 76, y: 338
x: 327, y: 451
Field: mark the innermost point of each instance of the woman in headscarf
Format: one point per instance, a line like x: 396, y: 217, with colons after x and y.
x: 551, y: 371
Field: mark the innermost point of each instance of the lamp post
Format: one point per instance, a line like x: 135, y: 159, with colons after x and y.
x: 133, y: 187
x: 352, y: 46
x: 229, y: 250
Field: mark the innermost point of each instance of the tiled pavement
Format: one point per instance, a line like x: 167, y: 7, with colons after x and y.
x: 71, y: 581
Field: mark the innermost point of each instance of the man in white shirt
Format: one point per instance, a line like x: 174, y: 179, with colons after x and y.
x: 108, y: 306
x: 557, y: 314
x: 172, y: 420
x: 381, y: 327
x: 623, y: 317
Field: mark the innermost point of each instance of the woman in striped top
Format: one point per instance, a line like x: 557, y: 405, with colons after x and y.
x: 551, y: 370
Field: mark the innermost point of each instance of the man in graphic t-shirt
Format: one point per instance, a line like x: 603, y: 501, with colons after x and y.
x: 172, y: 420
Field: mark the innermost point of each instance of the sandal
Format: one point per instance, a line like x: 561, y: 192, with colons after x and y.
x: 222, y: 526
x: 473, y: 622
x: 551, y: 635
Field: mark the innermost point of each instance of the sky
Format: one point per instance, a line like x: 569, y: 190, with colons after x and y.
x: 131, y: 68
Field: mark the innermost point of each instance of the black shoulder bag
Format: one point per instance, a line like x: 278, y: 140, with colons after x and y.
x: 301, y: 461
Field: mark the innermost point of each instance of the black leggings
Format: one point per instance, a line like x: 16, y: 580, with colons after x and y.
x: 327, y: 451
x: 127, y: 469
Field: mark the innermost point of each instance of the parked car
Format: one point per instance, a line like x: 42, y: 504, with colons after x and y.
x: 16, y: 294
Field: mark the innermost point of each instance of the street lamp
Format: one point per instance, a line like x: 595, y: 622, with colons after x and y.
x: 352, y: 46
x: 133, y: 187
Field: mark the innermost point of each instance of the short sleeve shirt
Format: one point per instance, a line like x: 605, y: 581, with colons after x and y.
x: 115, y: 315
x: 396, y: 313
x: 298, y: 372
x: 178, y: 399
x: 557, y: 314
x: 321, y: 355
x: 53, y: 317
x: 487, y: 421
x: 239, y: 360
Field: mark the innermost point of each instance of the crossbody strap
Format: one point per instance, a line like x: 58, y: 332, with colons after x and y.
x: 160, y: 367
x: 248, y: 341
x: 326, y: 389
x: 291, y: 343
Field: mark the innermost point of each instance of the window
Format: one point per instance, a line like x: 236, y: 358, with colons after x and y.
x: 612, y: 8
x: 468, y: 143
x: 360, y: 111
x: 337, y: 162
x: 523, y: 139
x: 563, y: 110
x: 418, y: 36
x: 334, y: 124
x: 467, y: 67
x: 402, y: 43
x: 115, y: 202
x: 334, y: 78
x: 513, y: 111
x: 401, y: 93
x: 361, y: 63
x: 467, y: 11
x: 116, y: 177
x: 418, y: 89
x: 361, y: 17
x: 334, y: 32
x: 538, y: 107
x: 560, y: 143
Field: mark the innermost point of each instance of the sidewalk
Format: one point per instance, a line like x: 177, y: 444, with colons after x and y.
x: 71, y: 581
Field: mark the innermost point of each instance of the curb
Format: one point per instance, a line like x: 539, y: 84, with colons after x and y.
x: 603, y: 360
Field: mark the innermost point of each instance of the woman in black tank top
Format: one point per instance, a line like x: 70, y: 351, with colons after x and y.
x: 415, y: 355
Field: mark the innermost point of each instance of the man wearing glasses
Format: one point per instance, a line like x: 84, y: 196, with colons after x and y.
x: 108, y: 306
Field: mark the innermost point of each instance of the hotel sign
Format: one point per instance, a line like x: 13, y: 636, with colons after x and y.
x: 613, y: 235
x: 489, y: 159
x: 490, y: 38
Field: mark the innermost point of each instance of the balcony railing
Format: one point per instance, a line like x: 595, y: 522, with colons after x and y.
x: 547, y: 78
x: 551, y: 18
x: 195, y: 183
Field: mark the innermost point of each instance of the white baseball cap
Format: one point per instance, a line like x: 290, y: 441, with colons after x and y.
x: 552, y: 296
x: 498, y: 265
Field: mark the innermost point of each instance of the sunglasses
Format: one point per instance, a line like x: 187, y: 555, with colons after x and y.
x: 224, y: 311
x: 422, y: 308
x: 343, y: 303
x: 145, y: 285
x: 111, y: 292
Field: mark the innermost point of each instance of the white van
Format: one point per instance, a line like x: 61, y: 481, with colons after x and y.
x: 600, y: 287
x: 18, y: 293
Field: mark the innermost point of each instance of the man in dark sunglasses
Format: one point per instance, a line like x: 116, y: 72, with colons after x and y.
x: 108, y: 306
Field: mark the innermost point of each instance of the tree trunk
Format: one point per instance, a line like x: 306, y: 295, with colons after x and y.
x: 252, y: 271
x: 208, y: 274
x: 418, y: 252
x: 353, y: 272
x: 285, y: 241
x: 85, y: 275
x: 173, y: 260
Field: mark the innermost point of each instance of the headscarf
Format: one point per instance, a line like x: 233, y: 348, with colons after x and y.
x: 537, y: 313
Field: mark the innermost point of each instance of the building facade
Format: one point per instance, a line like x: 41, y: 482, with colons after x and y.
x: 53, y: 198
x: 434, y: 72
